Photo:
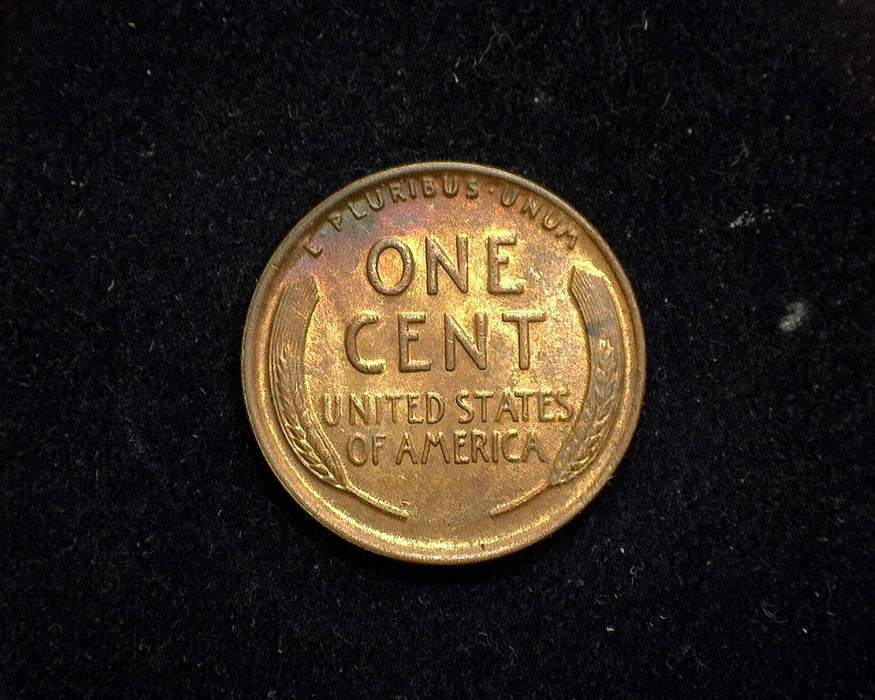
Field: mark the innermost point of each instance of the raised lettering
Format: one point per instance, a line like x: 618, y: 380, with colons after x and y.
x: 358, y: 456
x: 428, y: 188
x: 549, y: 223
x: 373, y: 266
x: 570, y: 236
x: 395, y: 192
x: 451, y: 185
x: 412, y: 405
x: 533, y: 446
x: 505, y: 405
x: 434, y: 440
x: 478, y: 446
x: 459, y: 439
x: 505, y: 439
x: 435, y: 255
x: 473, y: 189
x: 475, y: 347
x: 563, y: 403
x: 393, y: 400
x: 462, y: 402
x: 524, y: 395
x: 363, y: 408
x: 406, y: 336
x: 364, y: 366
x: 406, y: 448
x: 522, y: 319
x: 358, y: 214
x: 484, y: 397
x: 434, y: 407
x: 375, y: 199
x: 531, y: 207
x: 377, y: 444
x: 544, y: 397
x: 497, y: 260
x: 329, y: 416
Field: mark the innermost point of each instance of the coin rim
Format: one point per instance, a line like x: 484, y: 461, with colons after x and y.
x: 627, y: 419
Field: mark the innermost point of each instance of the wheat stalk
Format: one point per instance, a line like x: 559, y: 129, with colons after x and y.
x: 595, y: 420
x: 296, y: 434
x: 298, y: 299
x: 593, y: 294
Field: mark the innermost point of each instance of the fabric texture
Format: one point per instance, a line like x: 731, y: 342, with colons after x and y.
x: 153, y: 158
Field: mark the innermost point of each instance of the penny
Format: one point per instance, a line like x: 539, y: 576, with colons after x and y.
x: 443, y: 362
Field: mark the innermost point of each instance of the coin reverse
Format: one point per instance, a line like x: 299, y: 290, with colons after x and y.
x: 443, y: 362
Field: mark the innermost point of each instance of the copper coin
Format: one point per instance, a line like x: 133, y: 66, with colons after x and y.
x: 443, y: 362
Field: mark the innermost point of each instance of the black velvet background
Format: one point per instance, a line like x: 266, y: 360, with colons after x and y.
x: 153, y: 157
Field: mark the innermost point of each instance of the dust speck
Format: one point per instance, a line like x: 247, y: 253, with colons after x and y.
x: 797, y: 312
x: 743, y: 219
x: 747, y: 218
